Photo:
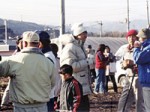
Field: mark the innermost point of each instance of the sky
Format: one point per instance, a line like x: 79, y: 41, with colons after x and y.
x: 47, y: 12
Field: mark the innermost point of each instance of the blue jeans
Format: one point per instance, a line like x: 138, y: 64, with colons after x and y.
x: 100, y: 81
x: 146, y: 95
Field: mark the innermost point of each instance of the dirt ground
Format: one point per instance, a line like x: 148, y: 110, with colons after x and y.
x: 98, y: 103
x: 106, y: 102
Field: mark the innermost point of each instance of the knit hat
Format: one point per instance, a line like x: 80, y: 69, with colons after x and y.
x: 144, y: 33
x: 77, y: 29
x: 30, y: 36
x: 131, y: 32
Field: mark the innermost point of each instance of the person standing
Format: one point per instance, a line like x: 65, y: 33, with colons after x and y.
x: 141, y: 57
x: 91, y: 57
x: 71, y: 91
x: 47, y: 50
x: 134, y: 93
x: 32, y: 76
x: 74, y: 54
x: 55, y: 49
x: 109, y: 72
x: 100, y: 67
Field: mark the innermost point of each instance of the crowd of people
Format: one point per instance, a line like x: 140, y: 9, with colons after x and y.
x: 40, y: 81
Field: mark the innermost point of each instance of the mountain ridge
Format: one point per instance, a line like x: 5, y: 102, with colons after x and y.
x: 108, y: 26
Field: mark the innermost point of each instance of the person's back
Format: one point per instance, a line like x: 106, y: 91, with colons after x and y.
x: 32, y: 72
x: 47, y: 50
x: 32, y: 76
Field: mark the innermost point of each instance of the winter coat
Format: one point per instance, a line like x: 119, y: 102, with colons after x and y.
x: 142, y: 59
x: 74, y: 54
x: 124, y: 53
x: 32, y: 76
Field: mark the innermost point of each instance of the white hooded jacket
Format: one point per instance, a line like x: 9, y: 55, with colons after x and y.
x: 74, y: 54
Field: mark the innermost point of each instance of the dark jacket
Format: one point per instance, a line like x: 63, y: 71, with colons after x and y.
x: 70, y: 95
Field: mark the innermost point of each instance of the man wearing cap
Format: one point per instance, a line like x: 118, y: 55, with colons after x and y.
x: 74, y: 54
x: 141, y: 56
x: 130, y: 94
x: 32, y: 76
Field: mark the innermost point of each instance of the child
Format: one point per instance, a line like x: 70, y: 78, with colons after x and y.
x: 71, y: 90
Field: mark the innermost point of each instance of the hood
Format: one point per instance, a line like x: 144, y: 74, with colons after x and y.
x: 66, y: 38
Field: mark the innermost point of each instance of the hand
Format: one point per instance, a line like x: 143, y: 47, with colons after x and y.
x: 137, y: 44
x: 127, y: 63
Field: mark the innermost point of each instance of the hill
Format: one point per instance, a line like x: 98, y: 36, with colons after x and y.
x: 20, y: 26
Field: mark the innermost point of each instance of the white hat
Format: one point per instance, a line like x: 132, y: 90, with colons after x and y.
x: 77, y: 29
x: 30, y: 36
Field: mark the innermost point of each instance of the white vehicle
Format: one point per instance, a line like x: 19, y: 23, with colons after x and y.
x: 120, y: 74
x: 115, y: 67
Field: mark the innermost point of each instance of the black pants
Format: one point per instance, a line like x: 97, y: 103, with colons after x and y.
x: 85, y: 105
x: 112, y: 79
x: 93, y: 75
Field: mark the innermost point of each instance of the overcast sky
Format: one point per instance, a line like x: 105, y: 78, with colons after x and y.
x: 47, y: 12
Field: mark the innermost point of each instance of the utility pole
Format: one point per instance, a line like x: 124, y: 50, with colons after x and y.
x: 62, y: 26
x: 148, y: 13
x: 101, y: 24
x: 128, y: 21
x: 5, y: 23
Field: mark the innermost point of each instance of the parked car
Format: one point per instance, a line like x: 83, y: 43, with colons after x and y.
x: 120, y: 74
